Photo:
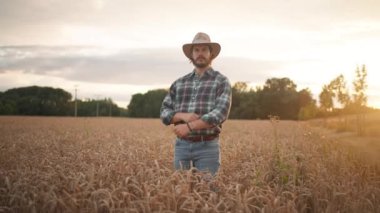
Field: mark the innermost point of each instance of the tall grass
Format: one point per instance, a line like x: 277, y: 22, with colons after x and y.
x: 125, y: 165
x: 361, y: 124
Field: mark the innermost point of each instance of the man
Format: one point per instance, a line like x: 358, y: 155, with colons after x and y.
x: 197, y: 104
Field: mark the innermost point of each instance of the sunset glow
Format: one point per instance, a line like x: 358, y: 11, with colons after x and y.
x: 119, y: 48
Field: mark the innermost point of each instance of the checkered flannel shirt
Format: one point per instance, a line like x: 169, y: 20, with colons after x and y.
x: 208, y: 96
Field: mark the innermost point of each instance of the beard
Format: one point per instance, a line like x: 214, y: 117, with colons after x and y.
x: 201, y: 62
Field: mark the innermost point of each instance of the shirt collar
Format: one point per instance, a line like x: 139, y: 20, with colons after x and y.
x: 208, y: 72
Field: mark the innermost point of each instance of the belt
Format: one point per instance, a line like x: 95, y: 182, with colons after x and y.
x: 200, y: 138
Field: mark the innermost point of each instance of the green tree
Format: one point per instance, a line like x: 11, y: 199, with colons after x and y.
x: 7, y: 106
x: 326, y: 99
x: 340, y: 91
x: 135, y: 105
x: 337, y: 91
x: 308, y: 111
x: 244, y: 102
x: 304, y: 97
x: 36, y: 100
x: 360, y: 86
x: 105, y: 107
x: 146, y: 105
x: 238, y: 89
x: 307, y: 105
x: 279, y: 97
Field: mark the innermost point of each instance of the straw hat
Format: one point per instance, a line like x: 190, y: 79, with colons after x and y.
x: 201, y: 38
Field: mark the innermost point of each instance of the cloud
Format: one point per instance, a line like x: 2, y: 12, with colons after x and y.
x: 112, y: 73
x: 248, y: 70
x: 123, y: 72
x: 87, y: 64
x: 92, y: 21
x: 127, y: 66
x: 132, y: 11
x: 307, y: 41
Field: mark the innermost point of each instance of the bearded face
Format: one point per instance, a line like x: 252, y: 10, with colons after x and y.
x: 201, y: 56
x: 201, y: 62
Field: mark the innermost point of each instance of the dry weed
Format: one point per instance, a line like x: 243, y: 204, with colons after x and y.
x: 125, y: 165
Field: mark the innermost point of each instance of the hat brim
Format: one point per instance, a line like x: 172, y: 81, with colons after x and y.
x: 215, y: 49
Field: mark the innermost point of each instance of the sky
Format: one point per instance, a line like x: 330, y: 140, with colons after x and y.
x: 117, y: 48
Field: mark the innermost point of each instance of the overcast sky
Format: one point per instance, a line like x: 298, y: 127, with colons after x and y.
x: 118, y: 48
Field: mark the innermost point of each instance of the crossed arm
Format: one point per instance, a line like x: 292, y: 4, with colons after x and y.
x: 193, y: 121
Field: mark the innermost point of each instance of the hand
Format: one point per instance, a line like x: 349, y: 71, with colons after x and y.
x: 184, y: 117
x: 188, y: 117
x: 181, y: 130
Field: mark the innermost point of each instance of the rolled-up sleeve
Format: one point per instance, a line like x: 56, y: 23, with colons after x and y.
x: 167, y: 108
x: 222, y: 105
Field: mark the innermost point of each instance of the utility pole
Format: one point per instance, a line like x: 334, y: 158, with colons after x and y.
x: 110, y: 107
x: 97, y: 105
x: 76, y: 105
x: 97, y: 108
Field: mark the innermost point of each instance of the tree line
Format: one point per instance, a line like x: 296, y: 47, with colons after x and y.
x: 47, y: 101
x: 277, y: 97
x: 337, y: 93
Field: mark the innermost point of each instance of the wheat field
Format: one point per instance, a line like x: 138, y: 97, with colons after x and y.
x: 55, y: 164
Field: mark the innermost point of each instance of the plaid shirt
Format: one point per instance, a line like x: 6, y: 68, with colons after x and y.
x: 208, y: 96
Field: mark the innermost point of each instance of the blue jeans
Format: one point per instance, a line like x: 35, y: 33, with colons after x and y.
x: 204, y: 156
